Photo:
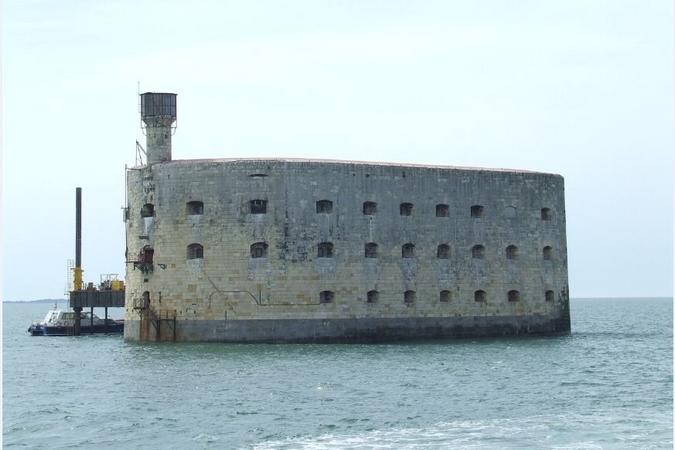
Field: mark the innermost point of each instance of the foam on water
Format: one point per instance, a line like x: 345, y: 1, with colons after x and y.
x: 568, y: 431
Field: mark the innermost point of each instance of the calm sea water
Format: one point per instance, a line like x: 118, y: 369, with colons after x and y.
x: 608, y: 385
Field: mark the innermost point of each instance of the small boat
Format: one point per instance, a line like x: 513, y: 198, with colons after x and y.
x: 61, y: 323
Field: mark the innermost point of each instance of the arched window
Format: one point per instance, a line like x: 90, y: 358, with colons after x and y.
x: 550, y: 296
x: 444, y: 296
x: 406, y: 209
x: 476, y: 211
x: 325, y: 250
x: 443, y: 251
x: 258, y: 206
x: 442, y: 210
x: 324, y: 206
x: 148, y: 210
x: 195, y: 208
x: 369, y: 208
x: 195, y: 251
x: 259, y: 250
x: 478, y: 252
x: 371, y: 250
x: 326, y: 296
x: 513, y: 296
x: 409, y: 297
x: 546, y: 214
x: 479, y: 296
x: 372, y: 297
x: 511, y: 252
x: 408, y: 250
x: 547, y: 253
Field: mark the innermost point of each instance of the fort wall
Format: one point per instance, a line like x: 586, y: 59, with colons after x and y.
x: 301, y: 250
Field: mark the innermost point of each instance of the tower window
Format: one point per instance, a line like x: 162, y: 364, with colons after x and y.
x: 324, y: 206
x: 444, y: 296
x: 511, y: 252
x: 408, y: 250
x: 443, y: 251
x: 478, y: 252
x: 325, y: 250
x: 259, y: 250
x: 406, y: 209
x: 371, y: 250
x: 547, y: 253
x: 195, y: 251
x: 513, y: 296
x: 147, y: 255
x: 195, y: 208
x: 258, y: 206
x: 369, y: 208
x: 326, y: 296
x: 372, y: 297
x: 148, y: 210
x: 479, y: 296
x: 477, y: 211
x: 549, y: 296
x: 442, y: 210
x: 546, y: 214
x: 409, y: 297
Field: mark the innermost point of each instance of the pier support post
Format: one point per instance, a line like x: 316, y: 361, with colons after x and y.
x: 76, y: 326
x: 91, y: 319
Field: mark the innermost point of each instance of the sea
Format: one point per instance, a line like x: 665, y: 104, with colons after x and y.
x: 609, y: 384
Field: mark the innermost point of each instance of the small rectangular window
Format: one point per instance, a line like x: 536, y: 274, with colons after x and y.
x: 258, y: 206
x: 324, y: 206
x: 195, y: 208
x: 442, y: 210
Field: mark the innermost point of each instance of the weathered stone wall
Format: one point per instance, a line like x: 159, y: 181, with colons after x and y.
x: 209, y: 294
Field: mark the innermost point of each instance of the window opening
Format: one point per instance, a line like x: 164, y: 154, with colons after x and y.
x: 478, y: 252
x: 148, y: 210
x: 372, y: 297
x: 547, y: 253
x: 477, y: 211
x: 409, y: 297
x: 259, y: 250
x: 406, y: 209
x: 549, y: 296
x: 326, y: 297
x: 325, y: 250
x: 513, y: 296
x: 443, y: 251
x: 442, y: 210
x: 371, y: 250
x: 195, y: 251
x: 258, y: 206
x: 444, y: 296
x: 511, y: 252
x: 324, y: 206
x: 195, y: 208
x: 546, y: 214
x: 369, y: 208
x: 479, y: 296
x: 408, y: 250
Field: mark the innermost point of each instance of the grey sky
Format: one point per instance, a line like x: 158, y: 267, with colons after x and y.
x: 581, y: 88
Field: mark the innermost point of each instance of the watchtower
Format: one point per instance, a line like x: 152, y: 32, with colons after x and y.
x: 158, y: 113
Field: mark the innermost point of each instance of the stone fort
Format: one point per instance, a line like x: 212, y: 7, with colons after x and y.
x: 293, y: 250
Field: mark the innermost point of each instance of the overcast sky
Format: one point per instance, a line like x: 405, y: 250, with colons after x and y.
x: 576, y: 87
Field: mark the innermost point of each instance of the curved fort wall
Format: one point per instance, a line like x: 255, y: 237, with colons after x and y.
x: 296, y: 250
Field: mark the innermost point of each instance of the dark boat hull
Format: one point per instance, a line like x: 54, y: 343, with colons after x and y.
x: 116, y: 327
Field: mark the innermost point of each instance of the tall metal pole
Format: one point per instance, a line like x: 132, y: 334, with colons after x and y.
x: 77, y: 271
x: 78, y: 229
